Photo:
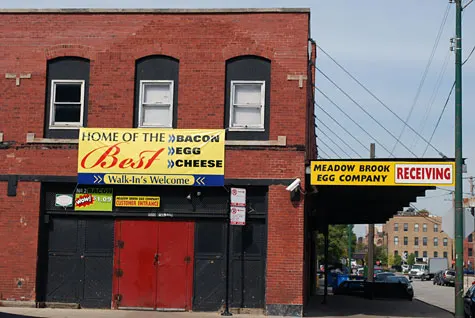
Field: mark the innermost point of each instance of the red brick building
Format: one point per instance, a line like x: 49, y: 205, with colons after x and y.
x: 175, y: 69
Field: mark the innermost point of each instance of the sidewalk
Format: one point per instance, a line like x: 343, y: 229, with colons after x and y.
x: 10, y: 312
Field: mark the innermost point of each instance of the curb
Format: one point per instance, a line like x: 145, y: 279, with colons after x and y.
x: 435, y: 306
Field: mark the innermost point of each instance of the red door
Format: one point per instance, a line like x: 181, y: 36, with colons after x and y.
x: 156, y: 264
x: 136, y: 249
x: 175, y: 265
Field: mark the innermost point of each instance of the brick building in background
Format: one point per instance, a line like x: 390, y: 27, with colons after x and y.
x: 418, y: 233
x: 237, y: 70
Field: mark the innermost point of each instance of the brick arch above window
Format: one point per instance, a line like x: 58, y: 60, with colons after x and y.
x: 70, y: 50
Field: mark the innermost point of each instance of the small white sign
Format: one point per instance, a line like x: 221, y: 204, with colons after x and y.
x: 64, y: 200
x: 238, y: 215
x: 238, y: 197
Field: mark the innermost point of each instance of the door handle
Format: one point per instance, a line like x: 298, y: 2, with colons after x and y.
x: 155, y: 259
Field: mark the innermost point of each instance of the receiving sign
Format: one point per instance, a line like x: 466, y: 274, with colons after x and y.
x: 382, y: 173
x: 183, y: 157
x: 137, y: 201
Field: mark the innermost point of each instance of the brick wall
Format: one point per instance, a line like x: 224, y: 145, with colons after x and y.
x: 19, y: 236
x: 113, y: 42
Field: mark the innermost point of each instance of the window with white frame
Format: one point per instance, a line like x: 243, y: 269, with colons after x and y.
x: 156, y: 104
x: 247, y: 105
x: 67, y: 104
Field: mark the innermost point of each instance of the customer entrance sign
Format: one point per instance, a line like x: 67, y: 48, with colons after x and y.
x: 382, y: 173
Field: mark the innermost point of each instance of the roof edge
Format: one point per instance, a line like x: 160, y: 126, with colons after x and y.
x: 156, y: 11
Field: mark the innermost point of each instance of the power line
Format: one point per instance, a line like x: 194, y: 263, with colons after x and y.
x: 329, y: 148
x: 438, y: 120
x: 379, y: 100
x: 324, y: 153
x: 364, y: 110
x: 341, y: 139
x: 424, y: 76
x: 342, y: 127
x: 433, y: 97
x: 468, y: 57
x: 350, y: 118
x: 333, y: 142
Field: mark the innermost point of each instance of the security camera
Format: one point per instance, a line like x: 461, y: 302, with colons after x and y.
x: 293, y: 185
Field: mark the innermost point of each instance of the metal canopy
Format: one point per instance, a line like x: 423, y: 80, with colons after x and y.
x: 361, y: 204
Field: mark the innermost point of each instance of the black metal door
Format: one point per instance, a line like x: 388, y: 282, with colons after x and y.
x: 80, y: 256
x: 247, y: 268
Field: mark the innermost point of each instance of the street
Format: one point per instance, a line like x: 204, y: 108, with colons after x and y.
x: 440, y: 296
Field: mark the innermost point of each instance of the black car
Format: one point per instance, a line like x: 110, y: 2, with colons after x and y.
x: 469, y: 302
x: 350, y: 287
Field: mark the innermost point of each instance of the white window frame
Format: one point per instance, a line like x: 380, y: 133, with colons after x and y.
x: 65, y: 125
x: 259, y: 127
x: 141, y: 103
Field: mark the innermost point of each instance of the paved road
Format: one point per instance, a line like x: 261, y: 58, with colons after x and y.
x: 440, y: 296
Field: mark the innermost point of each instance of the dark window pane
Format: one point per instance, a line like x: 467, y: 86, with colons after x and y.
x: 70, y: 93
x: 67, y: 113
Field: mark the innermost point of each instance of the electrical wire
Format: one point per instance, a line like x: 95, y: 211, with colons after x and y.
x: 424, y: 76
x: 468, y: 57
x: 336, y: 135
x: 438, y: 120
x: 329, y: 148
x: 333, y: 142
x: 364, y: 110
x: 378, y: 99
x: 324, y: 153
x: 342, y: 127
x: 350, y: 118
x: 435, y: 92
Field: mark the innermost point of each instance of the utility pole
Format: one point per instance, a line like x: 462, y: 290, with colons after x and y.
x: 459, y: 227
x: 372, y: 155
x: 350, y: 238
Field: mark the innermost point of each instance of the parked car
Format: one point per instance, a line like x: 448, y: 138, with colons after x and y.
x: 382, y: 277
x: 350, y: 287
x: 469, y: 302
x: 468, y: 271
x: 448, y: 277
x: 393, y: 286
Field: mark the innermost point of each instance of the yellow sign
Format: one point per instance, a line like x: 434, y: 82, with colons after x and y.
x: 382, y: 173
x: 137, y: 202
x: 151, y: 156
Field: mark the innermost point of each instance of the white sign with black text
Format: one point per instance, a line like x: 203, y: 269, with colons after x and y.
x: 238, y: 206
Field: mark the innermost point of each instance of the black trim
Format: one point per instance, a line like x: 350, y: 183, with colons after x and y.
x: 12, y: 185
x: 156, y: 67
x: 73, y: 179
x: 248, y: 68
x: 66, y: 68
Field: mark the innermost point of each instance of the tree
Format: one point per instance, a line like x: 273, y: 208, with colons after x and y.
x: 338, y: 244
x: 391, y: 260
x: 411, y: 259
x: 397, y: 260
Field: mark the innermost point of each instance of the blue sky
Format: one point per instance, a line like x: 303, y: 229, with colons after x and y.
x: 386, y: 45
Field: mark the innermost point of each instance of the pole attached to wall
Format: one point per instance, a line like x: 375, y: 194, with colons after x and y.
x: 327, y: 272
x: 371, y: 233
x: 459, y: 303
x: 226, y: 311
x: 350, y: 238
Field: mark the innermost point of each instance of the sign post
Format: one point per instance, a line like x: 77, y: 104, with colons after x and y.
x: 237, y: 216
